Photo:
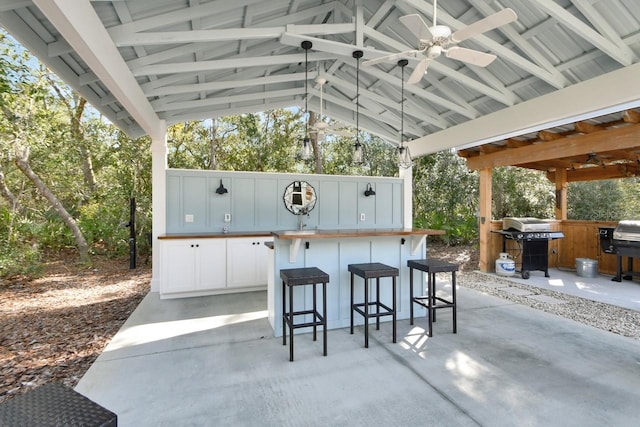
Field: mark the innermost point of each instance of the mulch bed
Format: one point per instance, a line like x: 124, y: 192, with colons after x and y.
x: 52, y: 328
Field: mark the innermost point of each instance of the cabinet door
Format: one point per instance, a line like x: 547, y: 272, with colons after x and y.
x: 178, y: 267
x: 211, y: 263
x: 246, y: 262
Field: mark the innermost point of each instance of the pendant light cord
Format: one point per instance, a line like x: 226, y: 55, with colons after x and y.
x: 306, y: 92
x: 357, y: 99
x: 402, y: 111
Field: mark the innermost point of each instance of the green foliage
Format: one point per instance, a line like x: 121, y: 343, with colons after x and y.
x: 522, y: 193
x: 445, y: 196
x: 608, y: 200
x: 19, y: 259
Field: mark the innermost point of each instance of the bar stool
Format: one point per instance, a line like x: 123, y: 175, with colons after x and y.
x: 433, y: 302
x: 297, y: 277
x: 370, y: 271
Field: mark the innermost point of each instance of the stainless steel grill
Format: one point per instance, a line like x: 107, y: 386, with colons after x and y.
x: 623, y: 240
x: 531, y: 243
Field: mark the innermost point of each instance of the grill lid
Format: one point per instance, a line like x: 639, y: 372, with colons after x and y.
x: 627, y: 230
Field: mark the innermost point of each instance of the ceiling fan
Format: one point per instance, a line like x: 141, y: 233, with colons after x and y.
x: 438, y: 39
x: 321, y: 128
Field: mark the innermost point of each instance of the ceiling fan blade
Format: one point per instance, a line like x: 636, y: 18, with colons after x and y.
x: 470, y: 56
x: 417, y: 26
x: 390, y: 58
x: 496, y: 20
x: 418, y: 72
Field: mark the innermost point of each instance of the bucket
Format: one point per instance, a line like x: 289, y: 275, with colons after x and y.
x: 586, y: 267
x: 505, y: 266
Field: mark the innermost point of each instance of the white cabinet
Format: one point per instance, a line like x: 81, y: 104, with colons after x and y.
x: 247, y: 261
x: 193, y: 265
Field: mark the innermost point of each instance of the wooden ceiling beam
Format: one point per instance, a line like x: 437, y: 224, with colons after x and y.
x: 598, y: 173
x: 631, y: 116
x: 612, y: 139
x: 516, y: 143
x: 490, y: 148
x: 546, y: 135
x: 585, y: 127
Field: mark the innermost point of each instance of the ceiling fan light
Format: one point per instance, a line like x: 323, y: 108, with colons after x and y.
x: 305, y: 150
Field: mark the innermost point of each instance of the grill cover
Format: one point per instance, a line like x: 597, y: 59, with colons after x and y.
x: 627, y: 230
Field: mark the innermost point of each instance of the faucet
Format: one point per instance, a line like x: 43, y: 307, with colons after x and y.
x: 301, y: 213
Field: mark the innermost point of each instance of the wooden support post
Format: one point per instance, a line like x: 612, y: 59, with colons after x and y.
x: 485, y: 220
x: 561, y: 194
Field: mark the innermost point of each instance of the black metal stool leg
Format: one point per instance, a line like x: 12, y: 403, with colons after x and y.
x: 411, y: 296
x: 377, y: 303
x: 394, y: 309
x: 291, y: 323
x: 324, y: 317
x: 351, y: 305
x: 284, y: 315
x: 453, y: 300
x: 315, y: 310
x: 366, y: 313
x: 430, y: 309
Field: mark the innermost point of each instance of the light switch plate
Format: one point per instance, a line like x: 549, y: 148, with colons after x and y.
x: 362, y: 216
x: 188, y: 218
x: 227, y: 217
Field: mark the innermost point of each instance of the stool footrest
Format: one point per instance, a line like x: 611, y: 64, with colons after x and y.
x: 444, y: 303
x: 318, y: 319
x: 388, y: 311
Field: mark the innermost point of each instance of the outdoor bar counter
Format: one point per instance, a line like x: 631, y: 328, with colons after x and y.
x: 332, y: 251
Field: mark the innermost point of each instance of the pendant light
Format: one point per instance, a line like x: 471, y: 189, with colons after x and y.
x: 305, y: 150
x: 358, y: 156
x: 402, y: 152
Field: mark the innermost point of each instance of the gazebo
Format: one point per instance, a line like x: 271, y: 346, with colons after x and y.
x: 562, y: 67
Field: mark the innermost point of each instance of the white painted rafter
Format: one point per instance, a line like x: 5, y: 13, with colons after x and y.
x: 621, y: 54
x: 227, y: 34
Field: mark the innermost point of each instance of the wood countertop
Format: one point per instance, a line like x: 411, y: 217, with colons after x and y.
x: 307, y: 234
x: 215, y: 235
x: 331, y: 234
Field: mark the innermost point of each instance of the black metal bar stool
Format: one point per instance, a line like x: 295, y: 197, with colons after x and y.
x: 297, y: 277
x: 433, y: 302
x: 376, y: 271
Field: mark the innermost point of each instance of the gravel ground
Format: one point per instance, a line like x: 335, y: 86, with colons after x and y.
x: 621, y: 321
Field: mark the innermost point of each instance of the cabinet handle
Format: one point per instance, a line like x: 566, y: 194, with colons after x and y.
x: 197, y: 246
x: 253, y: 243
x: 191, y: 245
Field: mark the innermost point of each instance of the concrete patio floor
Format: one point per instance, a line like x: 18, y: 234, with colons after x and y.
x: 213, y: 361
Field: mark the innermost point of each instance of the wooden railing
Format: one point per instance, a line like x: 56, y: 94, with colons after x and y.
x: 581, y: 240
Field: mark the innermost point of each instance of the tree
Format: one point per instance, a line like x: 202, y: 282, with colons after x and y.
x: 445, y: 196
x: 28, y: 113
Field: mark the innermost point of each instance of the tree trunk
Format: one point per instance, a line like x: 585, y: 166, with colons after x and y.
x: 85, y: 153
x: 22, y: 161
x: 7, y: 194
